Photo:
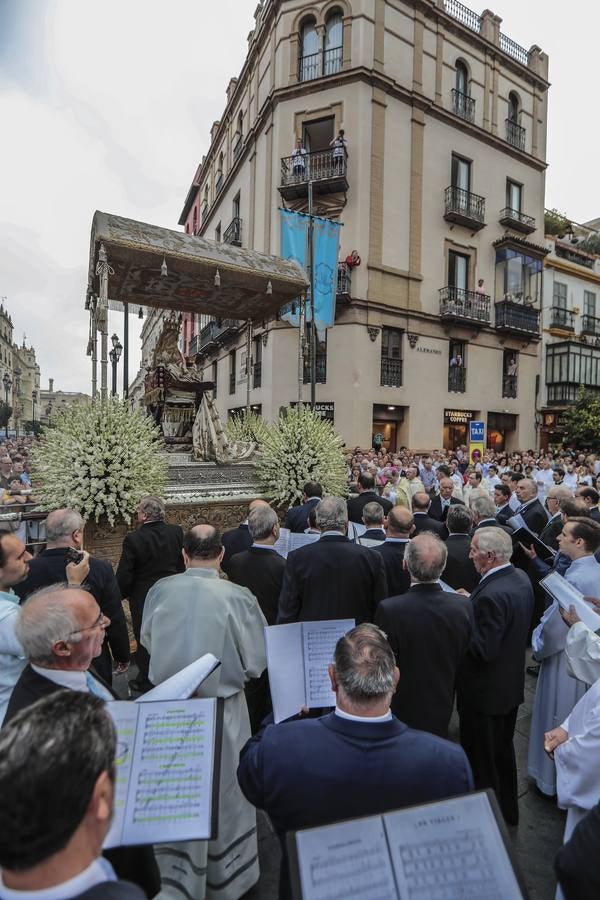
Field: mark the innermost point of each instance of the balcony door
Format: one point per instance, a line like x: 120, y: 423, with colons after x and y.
x: 461, y: 173
x: 514, y: 195
x: 318, y: 135
x: 458, y: 271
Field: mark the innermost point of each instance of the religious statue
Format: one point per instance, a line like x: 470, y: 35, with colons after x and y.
x: 210, y: 441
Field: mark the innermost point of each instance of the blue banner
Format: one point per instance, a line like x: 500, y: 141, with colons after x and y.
x: 294, y: 240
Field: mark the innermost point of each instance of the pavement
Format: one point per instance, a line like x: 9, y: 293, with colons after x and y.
x: 536, y: 839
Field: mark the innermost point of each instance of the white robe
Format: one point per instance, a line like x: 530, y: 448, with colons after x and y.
x: 583, y: 653
x: 556, y: 693
x: 186, y: 616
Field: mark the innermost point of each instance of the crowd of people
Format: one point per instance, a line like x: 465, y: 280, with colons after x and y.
x: 439, y: 563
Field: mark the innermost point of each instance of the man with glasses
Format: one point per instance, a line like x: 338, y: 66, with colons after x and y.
x: 61, y: 629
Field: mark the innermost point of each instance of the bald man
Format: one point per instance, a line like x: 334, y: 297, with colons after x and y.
x: 236, y: 540
x: 186, y: 616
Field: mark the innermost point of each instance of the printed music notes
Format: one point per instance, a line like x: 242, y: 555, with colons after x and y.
x: 297, y: 658
x: 289, y: 540
x: 167, y: 771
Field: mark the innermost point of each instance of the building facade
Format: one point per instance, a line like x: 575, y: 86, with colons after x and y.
x: 25, y: 386
x: 53, y: 402
x: 440, y: 191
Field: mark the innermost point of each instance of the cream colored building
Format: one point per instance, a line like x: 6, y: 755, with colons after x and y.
x: 53, y: 402
x: 25, y: 385
x: 441, y: 195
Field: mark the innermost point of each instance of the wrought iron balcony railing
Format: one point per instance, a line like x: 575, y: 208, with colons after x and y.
x: 517, y: 317
x: 457, y: 379
x: 562, y: 318
x: 460, y: 304
x: 216, y: 331
x: 238, y: 140
x: 332, y: 61
x: 344, y: 279
x: 232, y: 382
x: 509, y: 386
x: 310, y: 67
x: 257, y: 375
x: 325, y: 168
x: 516, y: 220
x: 463, y: 105
x: 321, y: 369
x: 590, y: 325
x: 233, y: 234
x: 515, y: 134
x: 391, y: 372
x: 464, y: 208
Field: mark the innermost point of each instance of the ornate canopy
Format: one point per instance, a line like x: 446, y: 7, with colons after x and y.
x: 157, y: 267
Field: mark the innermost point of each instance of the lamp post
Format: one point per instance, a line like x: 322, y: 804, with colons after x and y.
x: 7, y: 381
x: 33, y: 402
x: 17, y: 394
x: 115, y: 356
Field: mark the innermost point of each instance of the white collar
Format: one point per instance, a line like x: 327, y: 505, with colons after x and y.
x: 336, y: 533
x: 390, y: 540
x: 96, y: 873
x: 75, y: 681
x: 494, y: 570
x: 256, y: 546
x: 368, y: 720
x: 528, y: 503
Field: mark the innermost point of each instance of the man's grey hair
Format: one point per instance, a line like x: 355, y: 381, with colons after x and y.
x: 459, y: 519
x: 484, y: 507
x: 261, y: 522
x: 475, y: 494
x: 364, y: 664
x: 61, y: 523
x: 560, y: 492
x: 332, y: 514
x: 153, y: 508
x: 495, y: 540
x: 532, y: 486
x: 42, y: 621
x: 372, y: 514
x: 426, y: 557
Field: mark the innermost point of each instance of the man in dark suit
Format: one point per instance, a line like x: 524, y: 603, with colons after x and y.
x: 150, y: 553
x: 62, y: 661
x: 332, y: 578
x: 531, y: 509
x: 484, y: 514
x: 68, y: 792
x: 423, y: 521
x: 297, y: 516
x: 356, y: 761
x: 399, y: 528
x: 429, y: 630
x: 577, y: 863
x: 491, y: 680
x: 64, y: 531
x: 591, y: 497
x: 549, y: 534
x: 260, y: 569
x: 502, y: 494
x: 372, y: 516
x: 459, y: 571
x: 238, y: 539
x: 366, y: 494
x: 442, y: 502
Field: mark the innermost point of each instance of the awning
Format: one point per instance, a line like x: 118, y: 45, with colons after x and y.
x: 249, y: 284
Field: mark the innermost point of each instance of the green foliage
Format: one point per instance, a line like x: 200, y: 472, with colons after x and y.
x: 6, y: 412
x: 591, y: 244
x: 99, y: 459
x: 32, y: 427
x: 556, y: 223
x: 246, y: 427
x: 582, y: 421
x: 299, y: 447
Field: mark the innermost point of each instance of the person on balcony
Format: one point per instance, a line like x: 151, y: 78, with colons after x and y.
x: 339, y: 144
x: 299, y: 155
x: 480, y: 289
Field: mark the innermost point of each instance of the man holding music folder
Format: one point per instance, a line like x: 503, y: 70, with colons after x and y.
x: 355, y: 761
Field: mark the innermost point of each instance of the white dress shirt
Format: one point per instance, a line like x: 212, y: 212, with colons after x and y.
x: 97, y: 873
x: 368, y: 719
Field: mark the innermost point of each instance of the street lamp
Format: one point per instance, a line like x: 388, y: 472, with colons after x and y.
x: 7, y: 381
x: 33, y: 402
x: 17, y: 405
x: 115, y: 356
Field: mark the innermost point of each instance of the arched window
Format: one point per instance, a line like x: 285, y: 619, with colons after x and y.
x: 334, y: 39
x: 219, y: 180
x: 463, y: 104
x: 240, y: 123
x: 195, y: 220
x: 515, y: 133
x: 462, y: 78
x: 310, y: 52
x: 513, y: 107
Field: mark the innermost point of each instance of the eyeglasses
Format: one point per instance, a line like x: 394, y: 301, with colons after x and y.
x: 101, y: 622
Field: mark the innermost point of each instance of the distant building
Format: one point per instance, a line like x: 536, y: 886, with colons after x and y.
x: 26, y: 385
x: 52, y: 402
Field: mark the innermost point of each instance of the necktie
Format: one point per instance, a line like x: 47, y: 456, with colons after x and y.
x: 94, y: 687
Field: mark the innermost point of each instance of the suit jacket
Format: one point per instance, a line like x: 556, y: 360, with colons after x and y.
x: 429, y: 631
x: 504, y: 514
x: 151, y: 552
x: 357, y: 504
x: 397, y: 577
x: 236, y: 540
x: 549, y: 534
x: 459, y: 571
x: 297, y: 516
x: 491, y: 678
x: 435, y: 510
x: 493, y: 523
x: 135, y: 864
x: 595, y: 513
x: 424, y: 522
x: 373, y: 534
x: 332, y: 579
x: 112, y: 890
x: 535, y: 517
x: 577, y: 864
x: 287, y: 770
x: 261, y: 571
x: 49, y: 568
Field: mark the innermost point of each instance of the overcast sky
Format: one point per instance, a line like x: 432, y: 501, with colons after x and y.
x: 109, y: 105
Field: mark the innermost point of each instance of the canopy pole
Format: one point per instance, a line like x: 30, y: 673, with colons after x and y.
x: 313, y: 330
x: 248, y: 363
x: 301, y: 345
x: 125, y: 351
x: 103, y: 270
x: 94, y: 356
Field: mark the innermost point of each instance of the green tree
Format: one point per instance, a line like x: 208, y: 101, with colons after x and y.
x: 32, y: 427
x: 582, y: 421
x: 6, y: 412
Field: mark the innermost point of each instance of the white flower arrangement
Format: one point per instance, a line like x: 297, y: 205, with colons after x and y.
x: 299, y: 447
x: 248, y: 426
x: 99, y: 459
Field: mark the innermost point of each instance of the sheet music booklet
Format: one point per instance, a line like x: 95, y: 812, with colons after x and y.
x: 289, y: 540
x: 528, y: 538
x: 297, y: 659
x: 167, y: 771
x: 185, y: 683
x: 567, y: 595
x: 451, y: 848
